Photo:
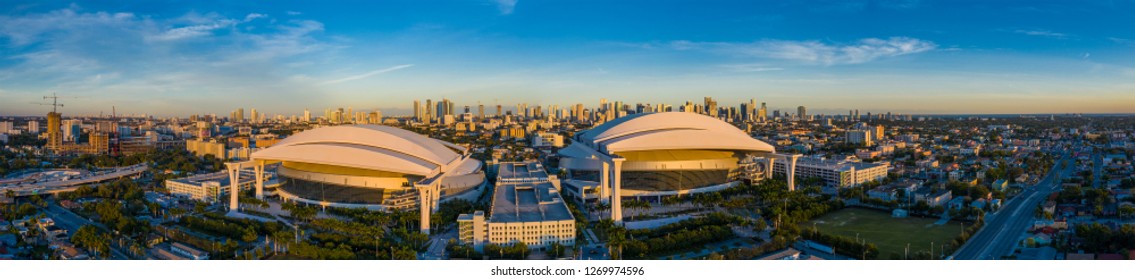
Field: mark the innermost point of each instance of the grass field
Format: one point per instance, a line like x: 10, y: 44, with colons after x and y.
x: 890, y: 234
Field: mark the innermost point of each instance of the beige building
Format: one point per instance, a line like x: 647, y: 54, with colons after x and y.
x: 548, y: 139
x: 202, y: 147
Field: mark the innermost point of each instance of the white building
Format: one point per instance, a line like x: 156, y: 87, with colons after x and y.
x: 862, y: 137
x: 212, y: 187
x: 839, y: 173
x: 527, y: 207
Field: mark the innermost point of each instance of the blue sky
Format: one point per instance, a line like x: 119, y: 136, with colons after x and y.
x: 177, y: 58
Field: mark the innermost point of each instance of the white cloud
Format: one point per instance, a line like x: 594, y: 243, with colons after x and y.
x: 750, y: 67
x: 253, y: 16
x: 815, y: 52
x: 1041, y: 32
x: 505, y: 6
x: 121, y: 56
x: 191, y: 31
x: 206, y: 25
x: 1122, y: 41
x: 367, y: 74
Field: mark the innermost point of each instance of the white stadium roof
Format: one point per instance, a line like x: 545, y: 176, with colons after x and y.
x: 373, y: 147
x: 670, y: 131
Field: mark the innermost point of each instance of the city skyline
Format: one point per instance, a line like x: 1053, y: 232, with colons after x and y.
x: 178, y: 59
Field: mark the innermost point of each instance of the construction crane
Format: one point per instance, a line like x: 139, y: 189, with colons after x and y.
x: 55, y: 104
x: 54, y: 101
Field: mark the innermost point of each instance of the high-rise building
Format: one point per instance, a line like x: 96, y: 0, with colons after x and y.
x: 762, y: 113
x: 33, y: 127
x: 862, y: 137
x: 710, y: 106
x: 54, y: 134
x: 417, y: 110
x: 577, y: 112
x: 498, y: 110
x: 429, y: 111
x: 255, y: 115
x: 71, y: 130
x: 480, y: 111
x: 306, y: 115
x: 802, y: 113
x: 239, y: 115
x: 375, y: 117
x: 449, y: 108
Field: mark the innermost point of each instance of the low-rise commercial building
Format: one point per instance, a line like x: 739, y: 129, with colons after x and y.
x: 527, y: 207
x: 839, y: 173
x: 213, y: 187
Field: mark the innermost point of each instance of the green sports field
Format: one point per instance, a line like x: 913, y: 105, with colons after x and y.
x: 890, y: 234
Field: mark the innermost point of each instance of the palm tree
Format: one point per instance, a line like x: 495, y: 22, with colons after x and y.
x: 616, y: 238
x: 645, y: 206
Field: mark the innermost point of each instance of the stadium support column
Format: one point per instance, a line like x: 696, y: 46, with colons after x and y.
x: 790, y: 170
x: 234, y: 185
x: 426, y: 203
x: 616, y: 191
x: 604, y: 183
x: 259, y: 179
x: 769, y: 169
x: 435, y: 198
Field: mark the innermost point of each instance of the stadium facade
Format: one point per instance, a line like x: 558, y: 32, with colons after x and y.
x: 661, y: 154
x: 366, y: 166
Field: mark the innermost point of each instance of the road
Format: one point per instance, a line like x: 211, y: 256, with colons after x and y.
x: 71, y: 222
x: 1002, y: 229
x: 69, y: 185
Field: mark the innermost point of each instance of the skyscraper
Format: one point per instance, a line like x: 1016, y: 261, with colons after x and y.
x: 429, y: 111
x: 255, y: 116
x: 54, y: 135
x: 306, y: 115
x: 480, y: 111
x: 710, y: 107
x: 417, y: 110
x: 71, y: 130
x: 802, y: 113
x: 763, y: 112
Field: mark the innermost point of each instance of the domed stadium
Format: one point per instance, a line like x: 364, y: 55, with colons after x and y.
x: 372, y: 166
x: 657, y: 154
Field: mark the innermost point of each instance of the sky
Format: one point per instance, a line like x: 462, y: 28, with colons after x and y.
x: 176, y: 58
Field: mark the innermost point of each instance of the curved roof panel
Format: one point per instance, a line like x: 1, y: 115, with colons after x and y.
x: 670, y: 131
x: 376, y: 136
x: 348, y: 155
x: 374, y: 147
